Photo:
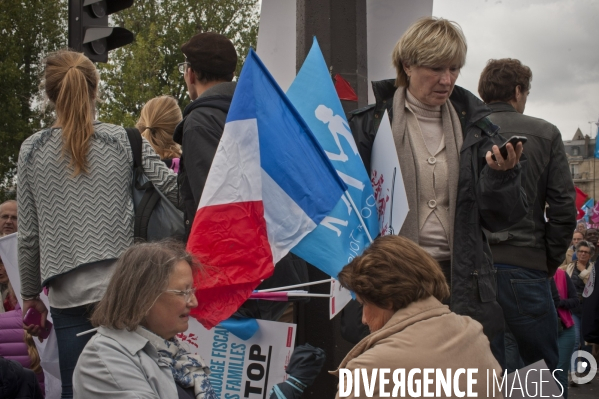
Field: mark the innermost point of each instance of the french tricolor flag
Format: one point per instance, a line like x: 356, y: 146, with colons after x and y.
x: 270, y: 184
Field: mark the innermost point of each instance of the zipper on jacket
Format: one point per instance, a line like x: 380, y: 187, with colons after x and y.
x: 474, y: 274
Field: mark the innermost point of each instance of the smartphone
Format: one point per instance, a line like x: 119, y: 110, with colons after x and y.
x: 34, y: 317
x: 513, y: 141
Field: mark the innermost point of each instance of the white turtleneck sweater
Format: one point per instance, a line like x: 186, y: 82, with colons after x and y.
x: 428, y: 141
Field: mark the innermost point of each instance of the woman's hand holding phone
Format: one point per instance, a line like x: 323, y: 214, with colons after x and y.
x: 35, y: 329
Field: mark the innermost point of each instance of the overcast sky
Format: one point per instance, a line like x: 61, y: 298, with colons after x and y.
x: 557, y: 39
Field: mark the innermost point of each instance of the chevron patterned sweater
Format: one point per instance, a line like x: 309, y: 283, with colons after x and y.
x: 66, y: 221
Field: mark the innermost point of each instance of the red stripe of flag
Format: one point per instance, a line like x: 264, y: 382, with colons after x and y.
x: 581, y: 198
x: 231, y: 241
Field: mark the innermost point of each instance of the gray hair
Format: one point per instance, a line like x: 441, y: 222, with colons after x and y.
x: 588, y: 244
x: 142, y: 273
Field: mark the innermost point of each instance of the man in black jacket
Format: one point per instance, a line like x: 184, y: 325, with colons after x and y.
x: 210, y: 62
x: 529, y: 252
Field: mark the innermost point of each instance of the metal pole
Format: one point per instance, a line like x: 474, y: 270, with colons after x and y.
x: 340, y: 27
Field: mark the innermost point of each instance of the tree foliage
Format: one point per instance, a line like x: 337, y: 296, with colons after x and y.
x: 148, y: 67
x: 29, y: 30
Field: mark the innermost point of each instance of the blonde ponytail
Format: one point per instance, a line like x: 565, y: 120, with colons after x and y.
x: 157, y: 123
x: 71, y: 83
x: 34, y: 355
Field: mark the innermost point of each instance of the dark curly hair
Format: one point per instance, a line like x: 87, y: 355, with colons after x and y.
x: 499, y: 79
x: 394, y: 272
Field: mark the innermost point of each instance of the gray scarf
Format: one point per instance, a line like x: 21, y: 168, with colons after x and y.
x: 451, y: 128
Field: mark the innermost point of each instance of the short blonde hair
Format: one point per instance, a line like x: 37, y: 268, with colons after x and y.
x: 394, y: 272
x: 157, y: 123
x: 429, y: 42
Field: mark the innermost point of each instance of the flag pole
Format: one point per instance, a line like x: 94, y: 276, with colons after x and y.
x: 295, y: 286
x: 359, y: 216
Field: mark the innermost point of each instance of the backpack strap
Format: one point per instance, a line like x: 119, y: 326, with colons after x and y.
x: 135, y: 143
x: 151, y: 197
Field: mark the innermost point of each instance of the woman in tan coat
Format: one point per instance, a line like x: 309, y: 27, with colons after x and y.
x: 576, y: 238
x: 401, y: 288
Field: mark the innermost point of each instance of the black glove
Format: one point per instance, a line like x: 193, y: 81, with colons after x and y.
x: 304, y: 365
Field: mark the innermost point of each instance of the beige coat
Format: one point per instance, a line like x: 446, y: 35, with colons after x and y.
x: 568, y: 258
x: 584, y: 275
x: 426, y: 334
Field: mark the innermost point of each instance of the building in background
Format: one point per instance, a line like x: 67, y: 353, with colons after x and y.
x: 584, y: 167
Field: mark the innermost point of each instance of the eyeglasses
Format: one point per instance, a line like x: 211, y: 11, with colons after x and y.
x: 183, y: 66
x: 187, y: 294
x: 583, y: 252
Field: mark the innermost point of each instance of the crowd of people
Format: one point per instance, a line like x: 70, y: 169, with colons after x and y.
x: 485, y: 272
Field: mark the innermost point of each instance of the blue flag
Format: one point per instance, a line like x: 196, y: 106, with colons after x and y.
x: 340, y: 236
x: 588, y: 209
x: 597, y: 141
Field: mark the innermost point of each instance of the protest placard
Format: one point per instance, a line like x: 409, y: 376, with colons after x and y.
x: 339, y: 298
x: 387, y: 181
x: 243, y: 369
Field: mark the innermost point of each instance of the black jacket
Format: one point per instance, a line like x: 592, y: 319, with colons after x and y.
x: 590, y: 313
x: 17, y: 382
x: 572, y: 301
x: 486, y: 198
x: 199, y: 134
x: 535, y: 243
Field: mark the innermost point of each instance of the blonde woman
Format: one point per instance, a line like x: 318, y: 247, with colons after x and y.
x: 157, y: 122
x: 75, y: 208
x: 445, y: 143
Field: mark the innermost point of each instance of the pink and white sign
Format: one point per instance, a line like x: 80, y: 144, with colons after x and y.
x: 387, y: 181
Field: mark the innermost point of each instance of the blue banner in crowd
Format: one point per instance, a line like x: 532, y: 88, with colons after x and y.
x: 597, y: 141
x: 340, y: 236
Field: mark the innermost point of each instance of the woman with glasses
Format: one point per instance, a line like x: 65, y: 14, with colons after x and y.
x: 136, y: 353
x: 579, y: 271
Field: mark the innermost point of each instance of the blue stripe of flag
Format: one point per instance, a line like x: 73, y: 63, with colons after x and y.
x: 289, y: 152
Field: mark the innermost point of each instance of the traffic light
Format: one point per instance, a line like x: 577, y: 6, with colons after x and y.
x: 89, y: 31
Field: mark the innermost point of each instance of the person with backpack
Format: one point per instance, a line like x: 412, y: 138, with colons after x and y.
x: 75, y: 205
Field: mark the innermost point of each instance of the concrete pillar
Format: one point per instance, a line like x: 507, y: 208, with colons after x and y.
x: 340, y: 27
